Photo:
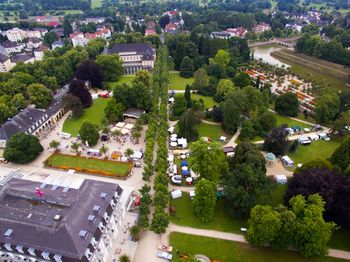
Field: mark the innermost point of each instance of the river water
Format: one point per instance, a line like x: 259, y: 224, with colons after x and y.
x: 264, y: 53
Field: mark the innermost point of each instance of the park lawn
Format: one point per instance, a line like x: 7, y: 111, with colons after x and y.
x: 207, y: 100
x: 222, y: 220
x: 179, y: 83
x: 89, y: 163
x: 212, y: 131
x: 283, y: 120
x: 123, y: 79
x: 341, y: 239
x: 276, y: 197
x: 94, y: 114
x: 229, y: 251
x: 317, y: 149
x: 96, y: 4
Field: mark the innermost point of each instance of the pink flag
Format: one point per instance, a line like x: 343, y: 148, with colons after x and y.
x: 39, y: 192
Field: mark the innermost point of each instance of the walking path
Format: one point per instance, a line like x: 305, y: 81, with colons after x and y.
x: 235, y: 237
x: 232, y: 141
x: 210, y: 122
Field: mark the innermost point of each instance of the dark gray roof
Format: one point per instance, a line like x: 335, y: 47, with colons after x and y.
x: 140, y: 48
x: 3, y: 58
x: 58, y: 43
x: 133, y: 112
x: 53, y: 223
x: 28, y: 117
x: 8, y: 44
x: 21, y: 57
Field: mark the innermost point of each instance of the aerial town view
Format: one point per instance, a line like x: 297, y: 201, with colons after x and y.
x: 174, y: 130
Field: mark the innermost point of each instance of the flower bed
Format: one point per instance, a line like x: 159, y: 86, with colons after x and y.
x: 90, y: 165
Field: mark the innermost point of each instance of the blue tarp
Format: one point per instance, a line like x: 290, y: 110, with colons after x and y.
x: 184, y: 163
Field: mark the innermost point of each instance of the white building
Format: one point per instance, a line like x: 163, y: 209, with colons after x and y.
x: 5, y: 63
x: 12, y: 47
x: 78, y: 39
x: 16, y: 34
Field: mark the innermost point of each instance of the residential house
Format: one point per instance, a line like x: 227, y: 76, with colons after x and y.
x: 94, y: 20
x: 39, y: 52
x: 34, y: 42
x: 171, y: 28
x: 12, y: 47
x: 57, y: 44
x: 261, y: 27
x: 78, y: 39
x: 150, y: 31
x: 238, y: 32
x: 15, y: 35
x: 25, y: 58
x: 5, y: 63
x: 140, y: 56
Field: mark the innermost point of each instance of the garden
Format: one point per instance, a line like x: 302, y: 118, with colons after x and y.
x: 94, y: 166
x: 94, y: 114
x: 212, y: 131
x: 229, y: 251
x: 179, y: 83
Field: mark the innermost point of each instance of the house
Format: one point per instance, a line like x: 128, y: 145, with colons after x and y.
x: 171, y: 28
x: 34, y: 42
x: 78, y: 39
x: 40, y: 221
x: 238, y: 32
x: 221, y: 35
x: 12, y: 47
x: 5, y: 63
x: 34, y: 121
x: 150, y: 31
x: 261, y: 27
x: 94, y: 20
x: 16, y: 35
x: 139, y: 56
x: 57, y: 44
x: 25, y: 58
x: 39, y: 52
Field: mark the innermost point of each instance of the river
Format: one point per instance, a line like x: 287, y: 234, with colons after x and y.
x: 264, y: 53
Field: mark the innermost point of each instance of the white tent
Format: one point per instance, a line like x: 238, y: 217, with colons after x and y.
x: 313, y: 136
x: 176, y: 194
x: 113, y: 129
x: 287, y: 161
x: 129, y: 126
x: 280, y: 179
x: 124, y: 131
x: 94, y: 96
x: 170, y: 158
x: 171, y: 129
x: 173, y: 139
x: 120, y: 124
x: 173, y: 136
x: 137, y: 155
x: 182, y: 142
x: 173, y: 144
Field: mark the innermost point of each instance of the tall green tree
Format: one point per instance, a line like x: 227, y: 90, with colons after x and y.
x: 89, y: 133
x: 233, y: 107
x: 188, y: 96
x: 327, y: 107
x: 287, y: 104
x: 186, y: 67
x: 67, y: 27
x: 187, y: 126
x: 22, y: 148
x: 341, y: 156
x: 208, y: 161
x: 112, y: 67
x: 160, y: 221
x: 39, y: 95
x: 204, y: 201
x: 114, y: 111
x: 201, y: 79
x: 222, y: 59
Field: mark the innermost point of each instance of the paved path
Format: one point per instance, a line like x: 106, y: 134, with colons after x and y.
x: 236, y: 237
x: 232, y: 141
x: 211, y: 123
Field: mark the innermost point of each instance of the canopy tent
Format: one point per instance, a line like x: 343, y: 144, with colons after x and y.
x: 182, y: 142
x: 173, y: 144
x: 129, y: 126
x: 184, y: 163
x: 173, y: 139
x: 113, y: 129
x: 173, y: 135
x: 183, y: 156
x: 116, y: 154
x: 124, y: 131
x: 270, y: 158
x: 137, y: 155
x: 185, y: 172
x: 189, y: 180
x: 176, y: 194
x: 120, y: 124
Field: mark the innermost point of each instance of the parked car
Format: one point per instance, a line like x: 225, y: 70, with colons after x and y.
x: 324, y: 136
x: 137, y: 164
x: 176, y: 180
x: 317, y: 128
x: 164, y: 255
x: 165, y: 247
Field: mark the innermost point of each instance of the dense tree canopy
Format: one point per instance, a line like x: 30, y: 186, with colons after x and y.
x: 341, y: 156
x: 276, y: 141
x: 39, y: 95
x: 204, y: 201
x: 89, y: 133
x: 287, y: 104
x: 112, y: 67
x: 77, y: 88
x: 91, y: 71
x: 22, y: 148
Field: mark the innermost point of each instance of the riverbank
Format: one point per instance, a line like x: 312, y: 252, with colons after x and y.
x: 312, y: 68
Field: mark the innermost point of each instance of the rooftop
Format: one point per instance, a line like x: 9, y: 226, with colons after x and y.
x: 53, y: 223
x: 140, y: 49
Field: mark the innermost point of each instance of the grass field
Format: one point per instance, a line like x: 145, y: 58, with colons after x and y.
x: 94, y: 114
x: 222, y: 220
x: 89, y: 163
x: 282, y: 120
x: 212, y: 131
x: 317, y: 149
x: 207, y: 100
x: 179, y: 83
x: 229, y: 251
x: 124, y: 79
x: 96, y: 4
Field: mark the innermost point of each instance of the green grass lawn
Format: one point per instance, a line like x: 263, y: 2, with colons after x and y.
x: 222, y: 220
x: 229, y: 251
x: 282, y: 120
x: 207, y: 100
x: 179, y: 83
x: 124, y: 79
x: 96, y: 4
x: 94, y: 114
x: 317, y: 149
x: 88, y: 163
x: 212, y: 131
